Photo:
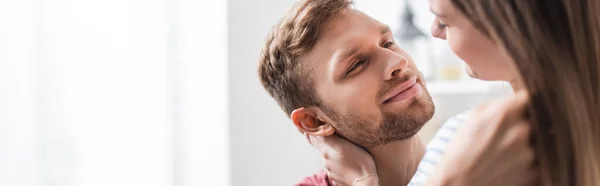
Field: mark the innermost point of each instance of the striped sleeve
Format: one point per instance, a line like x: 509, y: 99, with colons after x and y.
x: 436, y: 148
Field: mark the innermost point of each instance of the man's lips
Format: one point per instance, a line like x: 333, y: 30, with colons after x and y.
x: 403, y: 91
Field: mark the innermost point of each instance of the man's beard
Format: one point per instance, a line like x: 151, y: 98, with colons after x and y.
x: 394, y: 126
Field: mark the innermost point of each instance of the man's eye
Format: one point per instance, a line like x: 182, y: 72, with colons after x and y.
x: 388, y: 44
x: 356, y: 65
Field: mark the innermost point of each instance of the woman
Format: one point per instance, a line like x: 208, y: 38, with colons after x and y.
x: 548, y: 48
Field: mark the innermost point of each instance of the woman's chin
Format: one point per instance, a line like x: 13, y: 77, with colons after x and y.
x: 472, y: 73
x: 486, y: 77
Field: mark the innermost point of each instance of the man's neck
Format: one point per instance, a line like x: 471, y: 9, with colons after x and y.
x: 398, y: 159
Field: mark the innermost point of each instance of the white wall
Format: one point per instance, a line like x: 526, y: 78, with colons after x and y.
x: 266, y: 148
x: 83, y: 97
x: 200, y: 98
x: 18, y: 155
x: 113, y: 92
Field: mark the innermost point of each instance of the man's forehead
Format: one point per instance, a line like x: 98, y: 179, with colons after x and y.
x: 352, y: 21
x: 346, y: 28
x: 333, y: 35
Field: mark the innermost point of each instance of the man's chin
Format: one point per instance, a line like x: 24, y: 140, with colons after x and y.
x: 405, y: 135
x: 407, y: 123
x: 397, y: 124
x: 411, y: 133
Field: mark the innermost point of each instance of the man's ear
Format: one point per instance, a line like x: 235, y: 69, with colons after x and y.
x: 312, y: 121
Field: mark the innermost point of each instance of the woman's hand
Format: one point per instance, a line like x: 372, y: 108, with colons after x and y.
x: 346, y: 163
x: 491, y: 149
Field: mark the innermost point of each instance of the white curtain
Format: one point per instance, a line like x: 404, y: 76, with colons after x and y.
x: 113, y: 92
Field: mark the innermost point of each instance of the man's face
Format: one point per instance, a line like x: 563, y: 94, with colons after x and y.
x: 370, y: 87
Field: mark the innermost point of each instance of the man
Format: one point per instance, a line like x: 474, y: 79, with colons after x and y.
x: 352, y: 80
x: 337, y: 71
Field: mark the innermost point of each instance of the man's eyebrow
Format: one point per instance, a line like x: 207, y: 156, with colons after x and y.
x: 347, y: 53
x: 384, y: 29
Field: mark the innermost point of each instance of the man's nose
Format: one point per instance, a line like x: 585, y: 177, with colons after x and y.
x: 395, y: 65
